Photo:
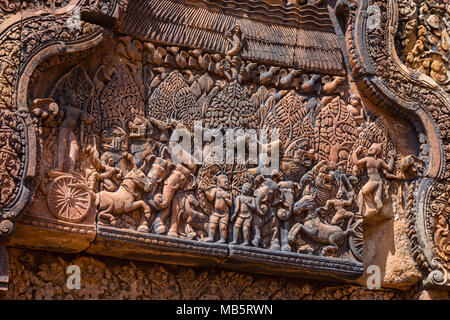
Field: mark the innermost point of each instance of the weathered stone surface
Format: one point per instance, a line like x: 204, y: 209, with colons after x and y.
x: 108, y: 113
x: 41, y: 275
x: 389, y: 249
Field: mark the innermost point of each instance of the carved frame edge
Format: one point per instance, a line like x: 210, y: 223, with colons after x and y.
x: 376, y: 88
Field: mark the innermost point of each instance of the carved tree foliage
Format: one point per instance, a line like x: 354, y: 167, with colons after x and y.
x: 289, y: 117
x: 232, y: 108
x: 120, y: 100
x: 78, y: 81
x: 122, y: 171
x: 173, y: 99
x: 335, y: 133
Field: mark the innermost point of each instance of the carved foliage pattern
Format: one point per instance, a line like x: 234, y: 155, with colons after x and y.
x: 22, y: 39
x: 232, y: 108
x: 42, y: 276
x: 12, y: 168
x: 174, y: 99
x: 440, y: 213
x: 423, y: 38
x: 120, y: 100
x: 289, y: 116
x: 335, y: 133
x: 12, y: 152
x: 132, y: 191
x: 10, y: 59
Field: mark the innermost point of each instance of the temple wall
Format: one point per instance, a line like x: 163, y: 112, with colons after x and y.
x: 333, y: 117
x: 42, y: 275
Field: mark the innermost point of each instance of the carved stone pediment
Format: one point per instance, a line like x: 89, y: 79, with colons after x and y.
x: 148, y: 121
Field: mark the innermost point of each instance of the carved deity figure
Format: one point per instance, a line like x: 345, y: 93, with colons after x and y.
x: 244, y: 205
x: 111, y: 175
x: 281, y: 224
x: 91, y: 164
x: 221, y: 196
x: 68, y: 147
x: 372, y: 191
x: 407, y: 169
x: 356, y: 109
x: 352, y: 185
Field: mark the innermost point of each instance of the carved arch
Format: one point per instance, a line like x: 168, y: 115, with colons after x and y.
x: 28, y: 36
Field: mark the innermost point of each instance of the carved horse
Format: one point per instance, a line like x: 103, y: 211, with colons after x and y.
x: 331, y: 236
x: 125, y: 199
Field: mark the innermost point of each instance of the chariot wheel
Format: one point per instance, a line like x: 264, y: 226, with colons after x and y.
x: 68, y: 199
x: 356, y: 240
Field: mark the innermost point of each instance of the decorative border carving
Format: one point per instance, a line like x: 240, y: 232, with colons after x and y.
x: 223, y: 255
x: 296, y: 263
x: 17, y: 151
x: 381, y: 75
x: 17, y: 167
x: 28, y: 35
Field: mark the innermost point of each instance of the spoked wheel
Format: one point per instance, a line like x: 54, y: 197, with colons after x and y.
x: 356, y: 240
x: 68, y: 200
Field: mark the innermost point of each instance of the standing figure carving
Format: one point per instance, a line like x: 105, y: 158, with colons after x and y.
x: 221, y: 196
x: 372, y: 191
x: 266, y: 198
x: 244, y: 207
x: 282, y: 223
x: 68, y: 147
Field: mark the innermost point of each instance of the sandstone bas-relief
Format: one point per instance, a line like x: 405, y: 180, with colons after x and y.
x: 106, y: 162
x: 125, y: 174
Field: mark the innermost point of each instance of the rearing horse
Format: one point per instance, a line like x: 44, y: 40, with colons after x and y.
x: 125, y: 199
